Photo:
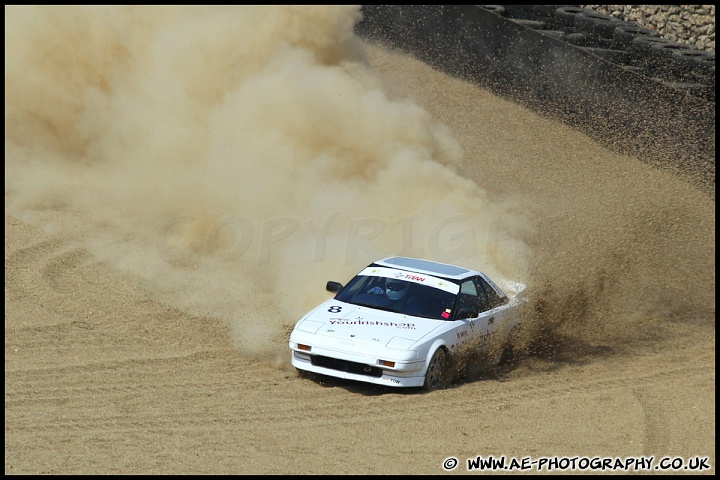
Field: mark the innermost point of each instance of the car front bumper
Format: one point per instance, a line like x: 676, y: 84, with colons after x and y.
x: 347, y: 364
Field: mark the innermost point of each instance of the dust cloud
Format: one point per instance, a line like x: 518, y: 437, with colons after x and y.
x: 623, y: 252
x: 235, y: 158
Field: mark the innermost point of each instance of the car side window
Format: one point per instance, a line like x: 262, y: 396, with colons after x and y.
x: 482, y: 302
x: 467, y: 297
x: 468, y: 288
x: 491, y: 298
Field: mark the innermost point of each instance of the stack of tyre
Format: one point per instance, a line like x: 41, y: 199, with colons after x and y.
x: 625, y: 44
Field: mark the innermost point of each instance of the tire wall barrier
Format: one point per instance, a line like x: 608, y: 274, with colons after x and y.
x: 653, y: 102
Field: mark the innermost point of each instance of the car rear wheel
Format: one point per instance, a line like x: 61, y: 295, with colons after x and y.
x: 436, y: 376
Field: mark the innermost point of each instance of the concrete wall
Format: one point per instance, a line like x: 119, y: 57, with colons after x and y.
x: 667, y: 122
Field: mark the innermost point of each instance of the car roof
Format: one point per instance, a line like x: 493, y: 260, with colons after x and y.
x: 428, y: 266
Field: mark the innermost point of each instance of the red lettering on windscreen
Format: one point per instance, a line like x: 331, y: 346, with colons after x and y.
x: 416, y: 278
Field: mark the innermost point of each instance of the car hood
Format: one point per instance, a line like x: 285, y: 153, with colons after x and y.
x: 353, y: 322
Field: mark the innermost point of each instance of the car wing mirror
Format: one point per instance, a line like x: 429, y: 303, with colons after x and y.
x: 467, y: 312
x: 333, y: 287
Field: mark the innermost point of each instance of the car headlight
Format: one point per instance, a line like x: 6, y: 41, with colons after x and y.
x: 399, y: 343
x: 309, y: 326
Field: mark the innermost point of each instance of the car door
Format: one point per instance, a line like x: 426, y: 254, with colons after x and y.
x: 494, y: 311
x: 478, y: 325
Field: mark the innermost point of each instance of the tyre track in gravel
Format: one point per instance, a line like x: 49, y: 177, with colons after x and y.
x: 59, y: 287
x: 136, y: 379
x: 196, y: 397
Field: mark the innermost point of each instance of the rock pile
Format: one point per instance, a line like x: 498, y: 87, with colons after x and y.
x: 690, y: 24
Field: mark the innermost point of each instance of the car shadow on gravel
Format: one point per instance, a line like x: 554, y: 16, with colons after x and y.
x: 547, y: 357
x: 367, y: 389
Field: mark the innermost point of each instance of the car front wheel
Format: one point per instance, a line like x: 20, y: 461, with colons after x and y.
x: 436, y: 376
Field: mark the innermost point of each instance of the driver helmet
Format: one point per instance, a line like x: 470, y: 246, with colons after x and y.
x: 396, y: 289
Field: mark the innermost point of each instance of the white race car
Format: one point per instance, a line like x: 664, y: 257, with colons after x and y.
x: 401, y: 320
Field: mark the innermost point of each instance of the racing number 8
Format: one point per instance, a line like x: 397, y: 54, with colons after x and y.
x: 335, y: 309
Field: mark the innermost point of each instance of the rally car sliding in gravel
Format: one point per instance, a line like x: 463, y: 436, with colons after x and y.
x: 401, y: 320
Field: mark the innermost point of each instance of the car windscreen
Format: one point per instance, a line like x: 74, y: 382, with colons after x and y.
x: 399, y: 296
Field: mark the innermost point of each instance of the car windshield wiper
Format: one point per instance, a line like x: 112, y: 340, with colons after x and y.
x: 429, y: 317
x: 376, y: 307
